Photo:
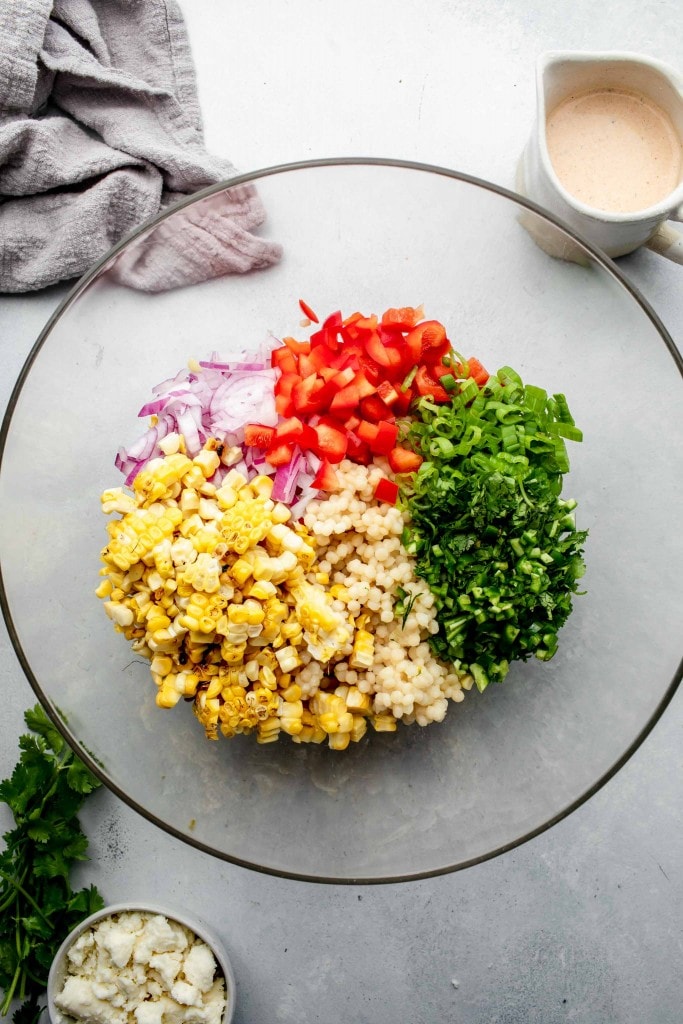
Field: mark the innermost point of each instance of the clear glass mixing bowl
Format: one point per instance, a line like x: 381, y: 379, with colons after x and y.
x: 505, y: 764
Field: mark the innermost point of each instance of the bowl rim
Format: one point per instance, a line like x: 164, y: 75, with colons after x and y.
x: 176, y: 914
x: 599, y: 257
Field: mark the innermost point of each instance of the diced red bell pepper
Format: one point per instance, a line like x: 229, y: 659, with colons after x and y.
x: 387, y: 392
x: 436, y: 354
x: 331, y: 443
x: 307, y: 365
x: 256, y: 435
x: 297, y: 347
x: 385, y: 439
x: 307, y: 311
x: 357, y: 450
x: 345, y: 401
x: 280, y: 454
x: 427, y: 335
x: 425, y: 384
x: 343, y: 377
x: 389, y: 356
x: 402, y: 460
x: 404, y: 318
x: 374, y: 409
x: 292, y: 430
x: 403, y: 402
x: 386, y: 490
x: 477, y: 372
x: 326, y: 479
x: 367, y: 431
x: 311, y: 395
x: 283, y: 359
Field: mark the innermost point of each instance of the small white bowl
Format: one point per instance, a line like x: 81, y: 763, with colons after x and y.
x: 58, y: 970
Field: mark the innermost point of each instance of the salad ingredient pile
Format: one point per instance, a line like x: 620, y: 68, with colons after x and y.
x: 390, y: 532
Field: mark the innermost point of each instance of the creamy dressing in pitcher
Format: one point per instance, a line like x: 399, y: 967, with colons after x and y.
x: 613, y: 150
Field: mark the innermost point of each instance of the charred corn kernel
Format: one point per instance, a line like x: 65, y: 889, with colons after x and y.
x: 292, y: 631
x: 196, y: 652
x: 115, y: 500
x: 119, y: 613
x: 203, y: 574
x: 105, y: 588
x: 170, y: 444
x: 329, y: 722
x: 360, y: 727
x: 358, y: 702
x: 209, y: 509
x: 291, y: 709
x: 288, y: 659
x: 339, y: 592
x: 306, y: 734
x: 262, y: 486
x: 323, y: 578
x: 384, y: 722
x: 262, y: 567
x: 292, y: 726
x: 117, y: 594
x: 189, y: 681
x: 242, y: 570
x: 292, y: 694
x: 339, y: 740
x: 341, y: 691
x: 215, y: 687
x: 161, y: 665
x: 193, y: 477
x: 189, y: 500
x: 268, y: 731
x: 208, y: 461
x: 363, y: 653
x: 346, y: 722
x: 261, y: 590
x: 226, y: 497
x: 267, y: 677
x: 282, y: 567
x: 167, y: 694
x: 252, y: 670
x: 280, y: 513
x: 233, y: 654
x: 235, y: 480
x: 157, y: 622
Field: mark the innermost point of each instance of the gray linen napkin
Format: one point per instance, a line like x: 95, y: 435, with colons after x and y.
x: 100, y: 128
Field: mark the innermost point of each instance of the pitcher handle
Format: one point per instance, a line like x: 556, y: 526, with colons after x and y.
x: 668, y: 242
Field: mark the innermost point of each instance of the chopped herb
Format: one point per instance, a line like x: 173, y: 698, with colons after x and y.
x: 38, y: 907
x: 490, y: 532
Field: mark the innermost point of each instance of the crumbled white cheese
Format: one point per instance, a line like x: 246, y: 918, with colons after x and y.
x: 138, y: 968
x: 199, y: 967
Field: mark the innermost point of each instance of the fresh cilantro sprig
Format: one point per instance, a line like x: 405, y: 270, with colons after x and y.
x: 489, y: 530
x: 38, y: 907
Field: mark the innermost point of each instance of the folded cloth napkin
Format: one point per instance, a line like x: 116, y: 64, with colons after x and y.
x: 100, y: 128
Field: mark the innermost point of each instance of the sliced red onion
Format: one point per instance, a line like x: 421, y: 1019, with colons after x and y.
x: 286, y: 478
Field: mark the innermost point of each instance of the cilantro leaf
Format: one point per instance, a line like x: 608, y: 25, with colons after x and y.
x: 38, y: 907
x: 489, y: 531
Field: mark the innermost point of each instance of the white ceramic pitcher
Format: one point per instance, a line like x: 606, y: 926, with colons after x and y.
x: 560, y: 74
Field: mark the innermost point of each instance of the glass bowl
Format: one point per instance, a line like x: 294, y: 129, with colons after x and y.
x: 505, y: 764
